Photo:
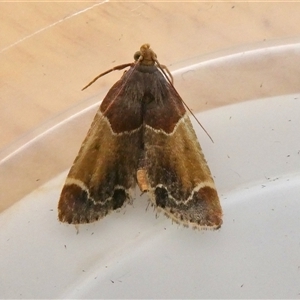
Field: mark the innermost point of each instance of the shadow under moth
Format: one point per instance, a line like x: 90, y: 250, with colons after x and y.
x: 141, y: 135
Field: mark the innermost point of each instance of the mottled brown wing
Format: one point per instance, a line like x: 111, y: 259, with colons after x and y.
x: 173, y: 169
x: 104, y: 171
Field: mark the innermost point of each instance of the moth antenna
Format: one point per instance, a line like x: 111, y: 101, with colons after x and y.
x: 125, y: 82
x: 118, y: 68
x: 162, y: 68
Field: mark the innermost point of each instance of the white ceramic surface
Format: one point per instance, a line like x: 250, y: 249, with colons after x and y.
x: 255, y: 160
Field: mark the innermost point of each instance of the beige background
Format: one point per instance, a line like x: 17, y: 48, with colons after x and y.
x: 50, y: 50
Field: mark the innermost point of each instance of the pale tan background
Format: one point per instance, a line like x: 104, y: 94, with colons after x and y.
x: 50, y: 50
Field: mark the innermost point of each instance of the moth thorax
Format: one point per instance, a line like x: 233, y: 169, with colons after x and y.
x: 142, y: 180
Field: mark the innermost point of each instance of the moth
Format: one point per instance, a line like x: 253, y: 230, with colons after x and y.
x: 141, y: 135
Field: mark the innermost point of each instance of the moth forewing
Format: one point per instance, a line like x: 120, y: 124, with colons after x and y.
x: 141, y: 134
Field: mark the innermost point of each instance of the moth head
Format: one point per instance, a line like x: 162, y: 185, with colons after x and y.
x: 145, y: 56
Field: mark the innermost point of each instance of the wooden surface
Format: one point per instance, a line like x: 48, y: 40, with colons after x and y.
x: 50, y: 50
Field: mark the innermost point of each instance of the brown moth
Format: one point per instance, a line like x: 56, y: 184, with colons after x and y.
x: 141, y: 135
